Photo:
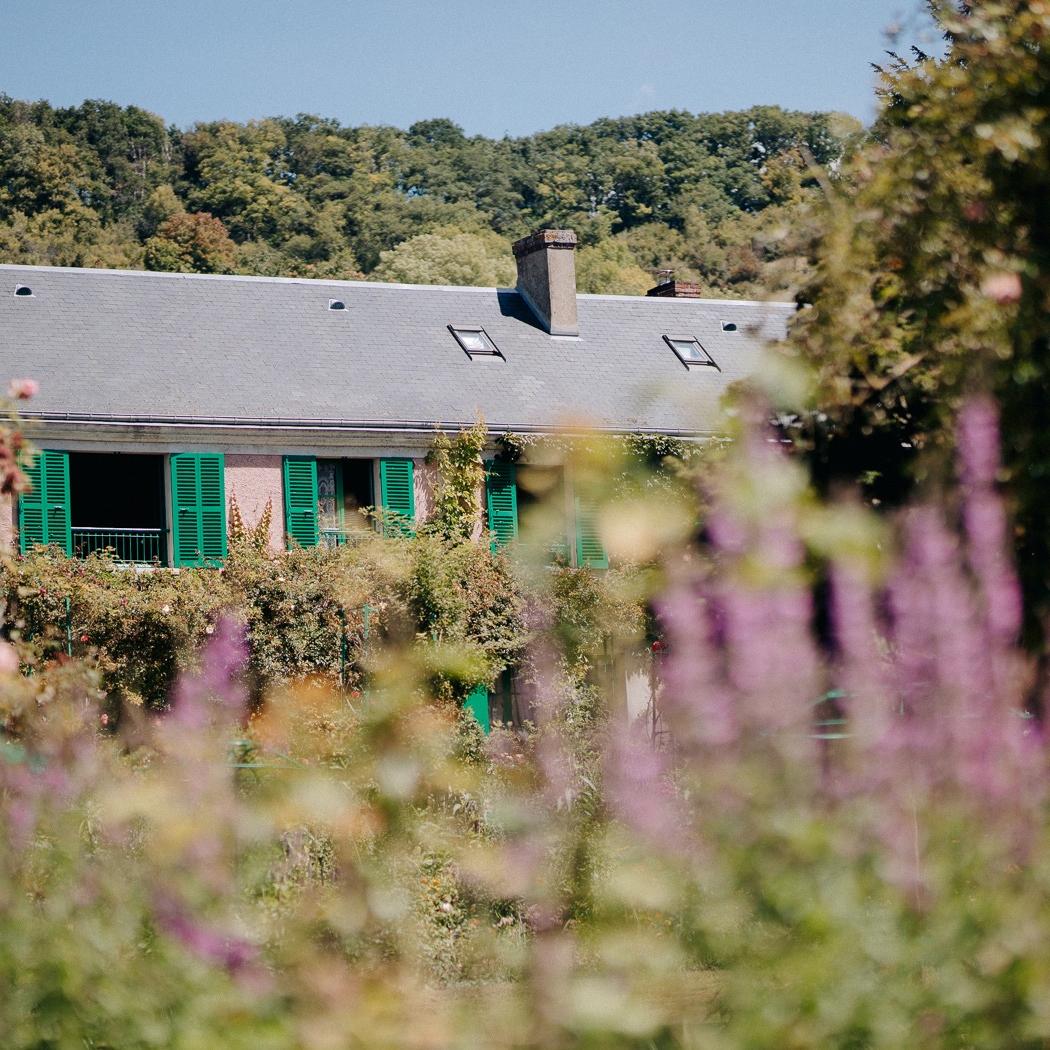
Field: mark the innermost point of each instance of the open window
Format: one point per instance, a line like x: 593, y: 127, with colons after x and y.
x: 345, y: 492
x: 542, y: 509
x: 116, y: 503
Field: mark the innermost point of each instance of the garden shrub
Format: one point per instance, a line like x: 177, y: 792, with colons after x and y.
x: 304, y: 610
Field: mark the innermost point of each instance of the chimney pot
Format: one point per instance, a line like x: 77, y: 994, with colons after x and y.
x: 673, y: 289
x: 547, y: 278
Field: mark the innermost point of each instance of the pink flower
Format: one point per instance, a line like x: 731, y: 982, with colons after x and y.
x: 23, y: 389
x: 8, y: 659
x: 1004, y: 288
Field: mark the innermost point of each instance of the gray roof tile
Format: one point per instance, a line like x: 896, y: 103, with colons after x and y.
x: 134, y: 345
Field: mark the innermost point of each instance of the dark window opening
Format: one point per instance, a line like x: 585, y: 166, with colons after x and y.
x: 336, y: 304
x: 728, y: 326
x: 23, y: 289
x: 542, y: 508
x: 117, y: 503
x: 357, y: 492
x: 509, y: 702
x: 344, y: 493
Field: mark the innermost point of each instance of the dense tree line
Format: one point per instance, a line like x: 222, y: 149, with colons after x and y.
x: 712, y: 196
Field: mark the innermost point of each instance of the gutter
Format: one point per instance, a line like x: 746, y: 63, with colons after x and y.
x: 400, y: 426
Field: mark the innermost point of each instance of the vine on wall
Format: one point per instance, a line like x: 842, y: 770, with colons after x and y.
x: 461, y: 474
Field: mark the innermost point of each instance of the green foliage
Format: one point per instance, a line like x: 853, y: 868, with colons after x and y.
x: 460, y: 476
x: 449, y: 257
x: 304, y: 610
x: 933, y: 273
x: 140, y: 627
x: 92, y: 185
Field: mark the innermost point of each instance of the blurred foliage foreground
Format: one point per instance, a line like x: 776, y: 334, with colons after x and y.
x: 301, y: 865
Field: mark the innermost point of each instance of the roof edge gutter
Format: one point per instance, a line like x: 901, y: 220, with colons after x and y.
x: 336, y: 425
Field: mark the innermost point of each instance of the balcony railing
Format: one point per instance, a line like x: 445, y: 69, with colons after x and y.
x: 132, y: 546
x: 341, y: 537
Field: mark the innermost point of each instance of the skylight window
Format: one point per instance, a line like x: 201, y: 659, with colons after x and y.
x: 475, y: 341
x: 690, y: 352
x: 23, y: 289
x: 729, y: 326
x: 336, y: 304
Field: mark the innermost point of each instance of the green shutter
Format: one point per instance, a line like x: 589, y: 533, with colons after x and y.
x: 501, y: 495
x: 397, y: 496
x: 478, y: 705
x: 43, y: 512
x: 300, y: 501
x: 589, y: 549
x: 198, y: 504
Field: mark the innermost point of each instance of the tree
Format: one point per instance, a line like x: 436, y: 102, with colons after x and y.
x: 193, y: 242
x: 933, y: 273
x: 610, y: 268
x: 450, y: 257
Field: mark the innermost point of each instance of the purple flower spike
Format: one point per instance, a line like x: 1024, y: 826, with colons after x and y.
x: 978, y: 441
x: 639, y: 788
x: 218, y: 686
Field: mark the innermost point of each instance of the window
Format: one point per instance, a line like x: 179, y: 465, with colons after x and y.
x: 336, y: 304
x: 23, y: 289
x: 729, y: 326
x: 690, y: 352
x: 475, y: 342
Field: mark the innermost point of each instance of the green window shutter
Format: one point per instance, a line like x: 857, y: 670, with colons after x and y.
x: 300, y: 501
x: 43, y: 512
x: 198, y: 503
x: 589, y: 549
x: 397, y: 496
x: 212, y: 468
x: 501, y: 495
x: 477, y: 703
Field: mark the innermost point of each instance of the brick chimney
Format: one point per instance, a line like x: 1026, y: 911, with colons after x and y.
x: 672, y: 289
x: 547, y: 278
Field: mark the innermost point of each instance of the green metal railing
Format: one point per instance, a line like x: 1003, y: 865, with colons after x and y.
x: 132, y: 546
x: 341, y: 537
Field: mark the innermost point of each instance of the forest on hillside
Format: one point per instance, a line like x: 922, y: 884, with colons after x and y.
x: 716, y: 197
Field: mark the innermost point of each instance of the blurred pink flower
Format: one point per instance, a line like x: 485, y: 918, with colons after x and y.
x: 8, y: 659
x: 23, y: 389
x: 1004, y: 288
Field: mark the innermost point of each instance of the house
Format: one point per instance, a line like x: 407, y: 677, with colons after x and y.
x: 162, y: 395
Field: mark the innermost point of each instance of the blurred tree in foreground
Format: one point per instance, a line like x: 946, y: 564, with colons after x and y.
x: 933, y: 272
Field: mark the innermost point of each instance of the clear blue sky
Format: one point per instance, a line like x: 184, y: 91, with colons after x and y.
x: 491, y: 65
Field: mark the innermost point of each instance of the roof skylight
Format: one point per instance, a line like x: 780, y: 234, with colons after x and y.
x: 690, y: 352
x: 729, y: 326
x: 23, y: 289
x: 475, y: 341
x: 336, y: 304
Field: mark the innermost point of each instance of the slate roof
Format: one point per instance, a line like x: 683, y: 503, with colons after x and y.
x: 137, y: 346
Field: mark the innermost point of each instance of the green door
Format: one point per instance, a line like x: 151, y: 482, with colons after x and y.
x: 198, y: 503
x: 300, y: 501
x: 43, y: 511
x: 477, y: 703
x: 397, y: 496
x: 501, y: 498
